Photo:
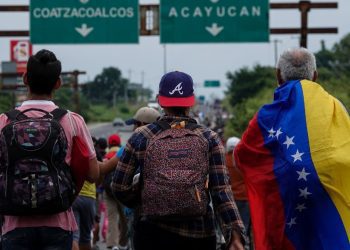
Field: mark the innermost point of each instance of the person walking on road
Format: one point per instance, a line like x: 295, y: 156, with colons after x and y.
x: 142, y: 117
x: 117, y: 233
x: 84, y: 208
x: 295, y: 160
x: 40, y: 187
x: 238, y: 186
x: 180, y: 164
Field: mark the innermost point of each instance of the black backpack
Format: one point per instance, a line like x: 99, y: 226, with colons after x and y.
x: 34, y: 177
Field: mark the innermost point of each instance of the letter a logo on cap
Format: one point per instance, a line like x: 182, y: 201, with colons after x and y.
x: 178, y: 88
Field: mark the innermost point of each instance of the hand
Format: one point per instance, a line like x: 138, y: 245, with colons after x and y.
x: 235, y: 243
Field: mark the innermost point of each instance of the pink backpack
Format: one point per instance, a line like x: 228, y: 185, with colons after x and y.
x: 175, y: 174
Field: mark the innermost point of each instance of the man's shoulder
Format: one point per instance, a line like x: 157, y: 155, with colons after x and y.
x: 206, y: 132
x: 148, y: 130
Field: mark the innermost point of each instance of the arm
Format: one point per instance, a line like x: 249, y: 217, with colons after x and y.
x: 122, y: 183
x: 223, y: 202
x: 79, y: 126
x: 109, y: 165
x: 93, y: 173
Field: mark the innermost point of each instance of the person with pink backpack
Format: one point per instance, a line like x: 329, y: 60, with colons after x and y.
x: 182, y: 172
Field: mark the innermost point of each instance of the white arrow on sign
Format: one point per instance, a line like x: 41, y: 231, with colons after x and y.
x: 84, y: 1
x: 84, y: 30
x: 214, y: 29
x: 214, y: 1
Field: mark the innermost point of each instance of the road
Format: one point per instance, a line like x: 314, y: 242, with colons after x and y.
x: 106, y: 129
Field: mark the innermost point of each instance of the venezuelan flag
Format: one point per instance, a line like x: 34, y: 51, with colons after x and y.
x: 295, y: 158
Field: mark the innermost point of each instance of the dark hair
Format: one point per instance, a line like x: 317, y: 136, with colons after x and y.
x: 102, y: 143
x: 178, y: 111
x: 43, y: 71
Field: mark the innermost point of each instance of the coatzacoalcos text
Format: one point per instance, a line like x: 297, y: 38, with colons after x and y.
x: 64, y: 12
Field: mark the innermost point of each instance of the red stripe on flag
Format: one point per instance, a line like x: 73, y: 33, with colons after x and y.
x: 257, y: 165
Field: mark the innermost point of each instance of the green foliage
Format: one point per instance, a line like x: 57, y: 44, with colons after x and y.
x: 124, y: 109
x: 337, y: 59
x: 342, y: 55
x: 106, y: 86
x: 248, y: 90
x: 245, y: 111
x: 103, y: 113
x: 247, y: 83
x: 64, y: 98
x: 324, y: 57
x: 6, y: 102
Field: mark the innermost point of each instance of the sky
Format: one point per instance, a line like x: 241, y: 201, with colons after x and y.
x: 207, y: 61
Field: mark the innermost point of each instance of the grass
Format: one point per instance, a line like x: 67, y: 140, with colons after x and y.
x: 104, y: 113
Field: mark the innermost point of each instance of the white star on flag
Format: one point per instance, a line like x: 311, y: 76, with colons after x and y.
x: 304, y: 193
x: 271, y: 132
x: 289, y: 141
x: 278, y: 133
x: 302, y: 174
x: 300, y: 207
x: 292, y: 222
x: 297, y: 156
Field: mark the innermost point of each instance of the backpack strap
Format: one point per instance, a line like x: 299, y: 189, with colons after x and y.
x: 13, y: 114
x: 58, y: 113
x: 163, y: 124
x: 192, y: 126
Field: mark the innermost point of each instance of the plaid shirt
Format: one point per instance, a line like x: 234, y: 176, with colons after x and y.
x: 219, y: 185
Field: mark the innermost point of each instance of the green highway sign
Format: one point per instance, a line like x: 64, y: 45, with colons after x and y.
x: 84, y: 21
x: 212, y: 83
x: 184, y: 21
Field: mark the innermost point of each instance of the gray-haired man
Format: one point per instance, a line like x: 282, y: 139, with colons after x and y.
x: 295, y: 160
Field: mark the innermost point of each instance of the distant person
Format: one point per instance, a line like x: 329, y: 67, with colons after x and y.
x: 180, y: 162
x: 238, y: 185
x: 117, y: 233
x: 101, y: 147
x: 142, y: 117
x: 84, y: 208
x: 295, y: 159
x: 36, y: 198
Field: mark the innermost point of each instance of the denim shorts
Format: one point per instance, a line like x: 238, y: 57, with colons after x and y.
x: 84, y: 209
x: 33, y: 238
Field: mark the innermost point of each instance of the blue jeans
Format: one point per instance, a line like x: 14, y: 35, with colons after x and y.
x: 34, y: 238
x: 84, y: 209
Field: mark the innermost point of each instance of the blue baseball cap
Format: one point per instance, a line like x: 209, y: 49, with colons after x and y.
x: 176, y: 90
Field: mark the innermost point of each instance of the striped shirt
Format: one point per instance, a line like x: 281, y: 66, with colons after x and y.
x: 219, y: 184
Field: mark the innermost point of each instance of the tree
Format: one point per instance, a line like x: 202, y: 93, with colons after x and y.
x: 342, y: 55
x: 63, y: 97
x: 246, y: 83
x: 324, y: 57
x: 105, y: 85
x: 6, y: 102
x: 337, y: 59
x: 248, y: 90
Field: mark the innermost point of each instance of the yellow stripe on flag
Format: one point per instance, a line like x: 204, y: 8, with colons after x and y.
x: 328, y: 126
